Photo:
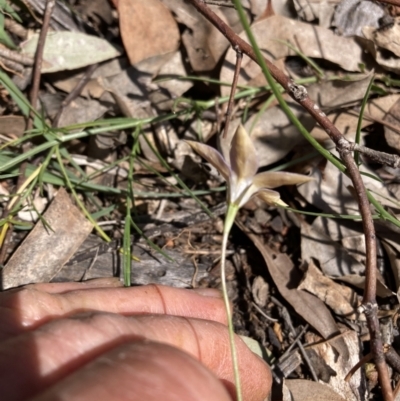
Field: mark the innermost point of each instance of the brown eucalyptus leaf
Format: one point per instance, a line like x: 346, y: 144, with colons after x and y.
x: 286, y: 277
x: 306, y: 390
x: 345, y: 121
x: 147, y: 28
x: 378, y: 108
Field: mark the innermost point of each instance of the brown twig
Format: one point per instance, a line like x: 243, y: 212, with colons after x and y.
x: 15, y: 56
x: 15, y: 28
x: 37, y: 67
x: 392, y: 2
x: 300, y: 95
x: 219, y: 3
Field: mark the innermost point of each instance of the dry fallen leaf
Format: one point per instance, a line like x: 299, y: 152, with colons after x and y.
x: 331, y: 191
x: 352, y: 15
x: 45, y: 250
x: 328, y: 350
x: 70, y: 50
x: 306, y: 390
x: 307, y: 38
x: 387, y: 38
x: 393, y: 117
x: 274, y: 135
x: 383, y: 45
x: 341, y: 299
x: 340, y: 93
x: 12, y: 125
x: 286, y: 277
x: 147, y: 28
x: 332, y: 257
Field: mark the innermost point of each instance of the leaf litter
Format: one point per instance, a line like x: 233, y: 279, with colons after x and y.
x: 163, y: 79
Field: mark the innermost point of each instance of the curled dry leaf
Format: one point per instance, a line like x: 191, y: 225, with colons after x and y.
x: 387, y: 38
x: 147, y: 28
x: 341, y: 299
x: 384, y: 46
x: 355, y: 389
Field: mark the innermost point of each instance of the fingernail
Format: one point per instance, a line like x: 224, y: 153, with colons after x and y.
x: 208, y: 292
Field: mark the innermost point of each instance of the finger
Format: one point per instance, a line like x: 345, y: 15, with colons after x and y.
x: 29, y: 308
x: 140, y: 371
x: 58, y: 288
x: 60, y: 347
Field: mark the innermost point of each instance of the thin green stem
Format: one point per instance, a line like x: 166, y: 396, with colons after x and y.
x: 229, y: 220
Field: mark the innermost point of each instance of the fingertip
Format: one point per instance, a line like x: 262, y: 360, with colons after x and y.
x: 143, y: 370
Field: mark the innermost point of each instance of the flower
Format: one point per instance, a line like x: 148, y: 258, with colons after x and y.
x: 238, y: 164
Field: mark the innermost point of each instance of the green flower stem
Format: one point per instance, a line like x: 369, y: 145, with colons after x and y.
x: 229, y: 220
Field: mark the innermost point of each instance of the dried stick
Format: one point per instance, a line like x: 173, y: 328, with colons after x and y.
x: 300, y: 95
x: 17, y: 57
x: 392, y: 2
x: 37, y: 67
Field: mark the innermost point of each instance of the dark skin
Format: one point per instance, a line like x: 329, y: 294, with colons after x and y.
x: 98, y: 341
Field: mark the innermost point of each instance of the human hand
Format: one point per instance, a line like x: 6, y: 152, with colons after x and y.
x: 98, y: 341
